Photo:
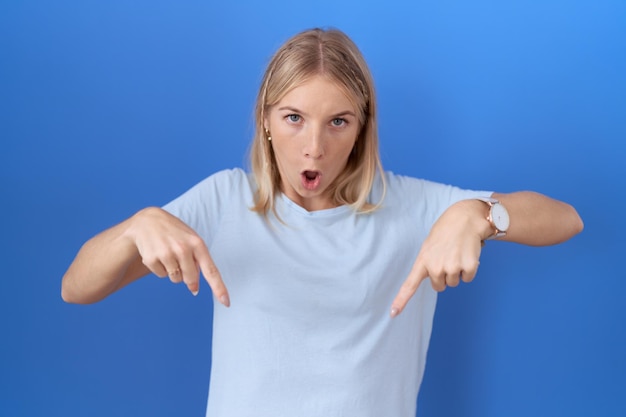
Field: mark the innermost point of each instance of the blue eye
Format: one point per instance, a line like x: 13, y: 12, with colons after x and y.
x: 294, y: 118
x: 338, y: 122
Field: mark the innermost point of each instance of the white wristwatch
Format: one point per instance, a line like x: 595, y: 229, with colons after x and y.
x: 498, y: 217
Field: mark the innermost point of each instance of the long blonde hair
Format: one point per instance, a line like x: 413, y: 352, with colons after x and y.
x: 332, y: 54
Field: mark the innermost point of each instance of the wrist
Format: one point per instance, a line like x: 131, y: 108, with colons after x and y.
x: 476, y: 212
x: 497, y: 217
x: 134, y: 225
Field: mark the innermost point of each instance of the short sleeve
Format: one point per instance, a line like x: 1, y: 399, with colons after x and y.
x: 205, y: 205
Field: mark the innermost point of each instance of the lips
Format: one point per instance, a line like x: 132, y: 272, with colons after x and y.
x: 311, y: 179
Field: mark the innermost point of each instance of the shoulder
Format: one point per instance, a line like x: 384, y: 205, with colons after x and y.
x: 231, y: 176
x: 224, y: 182
x: 222, y: 187
x: 404, y: 186
x: 403, y: 190
x: 205, y: 205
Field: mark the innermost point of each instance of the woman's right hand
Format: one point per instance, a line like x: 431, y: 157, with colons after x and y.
x: 150, y: 241
x: 170, y: 248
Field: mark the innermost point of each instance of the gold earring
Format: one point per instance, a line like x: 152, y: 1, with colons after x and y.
x: 267, y: 133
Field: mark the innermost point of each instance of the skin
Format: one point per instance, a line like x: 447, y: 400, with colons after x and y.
x: 451, y: 252
x: 313, y: 128
x: 152, y: 240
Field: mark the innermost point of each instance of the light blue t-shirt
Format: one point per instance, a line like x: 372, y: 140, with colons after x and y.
x: 308, y: 333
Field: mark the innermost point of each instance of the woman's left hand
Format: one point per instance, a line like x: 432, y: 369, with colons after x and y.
x: 451, y: 250
x: 450, y: 253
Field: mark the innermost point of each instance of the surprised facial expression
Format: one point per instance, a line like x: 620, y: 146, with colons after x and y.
x: 313, y: 128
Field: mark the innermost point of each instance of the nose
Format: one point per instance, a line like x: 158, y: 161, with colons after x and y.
x: 314, y: 144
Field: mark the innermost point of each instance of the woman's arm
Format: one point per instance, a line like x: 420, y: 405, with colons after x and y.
x: 150, y: 241
x: 538, y: 220
x: 104, y: 264
x: 451, y: 251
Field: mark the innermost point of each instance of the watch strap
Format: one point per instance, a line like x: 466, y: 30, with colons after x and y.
x: 490, y: 201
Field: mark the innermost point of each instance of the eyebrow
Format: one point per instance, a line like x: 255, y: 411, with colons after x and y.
x: 340, y: 114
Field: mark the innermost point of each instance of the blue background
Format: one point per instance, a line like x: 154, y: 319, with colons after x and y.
x: 108, y: 107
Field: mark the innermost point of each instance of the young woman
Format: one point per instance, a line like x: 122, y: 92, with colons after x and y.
x: 318, y: 248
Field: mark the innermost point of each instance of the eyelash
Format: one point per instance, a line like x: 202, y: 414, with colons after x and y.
x: 343, y: 122
x: 291, y: 117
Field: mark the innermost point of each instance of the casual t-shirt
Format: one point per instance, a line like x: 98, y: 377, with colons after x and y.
x: 308, y: 333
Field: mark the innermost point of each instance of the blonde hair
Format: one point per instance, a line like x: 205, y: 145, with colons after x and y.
x: 332, y: 54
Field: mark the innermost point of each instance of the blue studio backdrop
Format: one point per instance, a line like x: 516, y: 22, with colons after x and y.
x: 108, y: 107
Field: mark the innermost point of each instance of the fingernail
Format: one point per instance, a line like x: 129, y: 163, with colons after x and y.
x: 394, y: 311
x: 224, y: 300
x: 195, y: 292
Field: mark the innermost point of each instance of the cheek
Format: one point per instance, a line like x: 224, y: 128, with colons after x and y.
x: 347, y: 146
x: 284, y: 151
x: 341, y: 157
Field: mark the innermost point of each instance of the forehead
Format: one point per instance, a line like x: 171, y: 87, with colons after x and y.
x: 318, y: 94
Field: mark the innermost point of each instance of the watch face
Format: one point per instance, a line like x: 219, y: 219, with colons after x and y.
x: 500, y: 217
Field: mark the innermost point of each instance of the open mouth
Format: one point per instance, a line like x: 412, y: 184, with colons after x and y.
x: 311, y: 179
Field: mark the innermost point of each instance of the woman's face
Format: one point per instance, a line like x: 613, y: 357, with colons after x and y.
x: 313, y: 128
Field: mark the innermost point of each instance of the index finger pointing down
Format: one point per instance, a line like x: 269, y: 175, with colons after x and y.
x: 212, y: 276
x: 410, y: 285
